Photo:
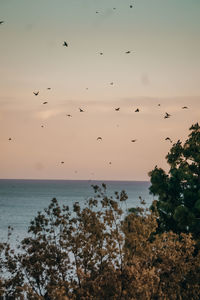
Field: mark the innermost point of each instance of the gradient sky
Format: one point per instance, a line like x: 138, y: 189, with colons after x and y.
x: 163, y: 67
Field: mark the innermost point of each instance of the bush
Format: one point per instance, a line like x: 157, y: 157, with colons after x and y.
x: 97, y: 252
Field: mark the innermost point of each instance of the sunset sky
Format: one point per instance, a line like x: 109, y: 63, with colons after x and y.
x: 163, y: 67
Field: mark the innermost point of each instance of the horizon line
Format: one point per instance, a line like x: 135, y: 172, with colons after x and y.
x: 56, y: 179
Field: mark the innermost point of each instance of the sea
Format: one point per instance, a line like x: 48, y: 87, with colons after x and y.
x: 20, y: 200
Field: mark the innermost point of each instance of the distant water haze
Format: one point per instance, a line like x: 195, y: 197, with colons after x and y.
x: 20, y: 200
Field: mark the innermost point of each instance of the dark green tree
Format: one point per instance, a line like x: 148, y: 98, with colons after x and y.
x: 178, y: 191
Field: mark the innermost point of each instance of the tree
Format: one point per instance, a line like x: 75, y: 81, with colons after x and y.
x: 70, y: 253
x: 99, y: 252
x: 178, y: 190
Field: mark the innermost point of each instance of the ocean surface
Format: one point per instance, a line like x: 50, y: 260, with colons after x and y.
x: 20, y: 200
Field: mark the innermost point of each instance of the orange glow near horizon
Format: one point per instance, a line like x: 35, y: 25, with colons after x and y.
x: 163, y: 67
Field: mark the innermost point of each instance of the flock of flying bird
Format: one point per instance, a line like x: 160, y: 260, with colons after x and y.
x: 137, y: 110
x: 117, y: 109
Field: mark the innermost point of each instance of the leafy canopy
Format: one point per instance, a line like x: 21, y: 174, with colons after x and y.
x: 178, y: 190
x: 99, y: 252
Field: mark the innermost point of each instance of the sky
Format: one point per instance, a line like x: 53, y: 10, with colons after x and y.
x: 163, y: 67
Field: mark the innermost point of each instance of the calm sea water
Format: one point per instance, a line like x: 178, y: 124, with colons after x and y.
x: 20, y: 200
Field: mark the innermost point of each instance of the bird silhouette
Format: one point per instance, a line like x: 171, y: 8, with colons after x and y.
x: 159, y: 104
x: 168, y: 139
x: 81, y: 110
x: 97, y: 12
x: 101, y: 53
x: 1, y: 22
x: 36, y: 93
x: 137, y: 110
x: 99, y: 138
x: 69, y: 115
x: 117, y: 109
x: 131, y: 6
x: 62, y: 162
x: 110, y: 163
x: 65, y: 44
x: 127, y: 52
x: 184, y: 107
x: 167, y: 115
x: 45, y: 102
x: 133, y: 141
x: 111, y: 83
x: 10, y: 139
x: 48, y: 88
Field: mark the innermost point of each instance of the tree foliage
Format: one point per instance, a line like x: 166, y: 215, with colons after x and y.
x: 178, y: 190
x: 98, y: 252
